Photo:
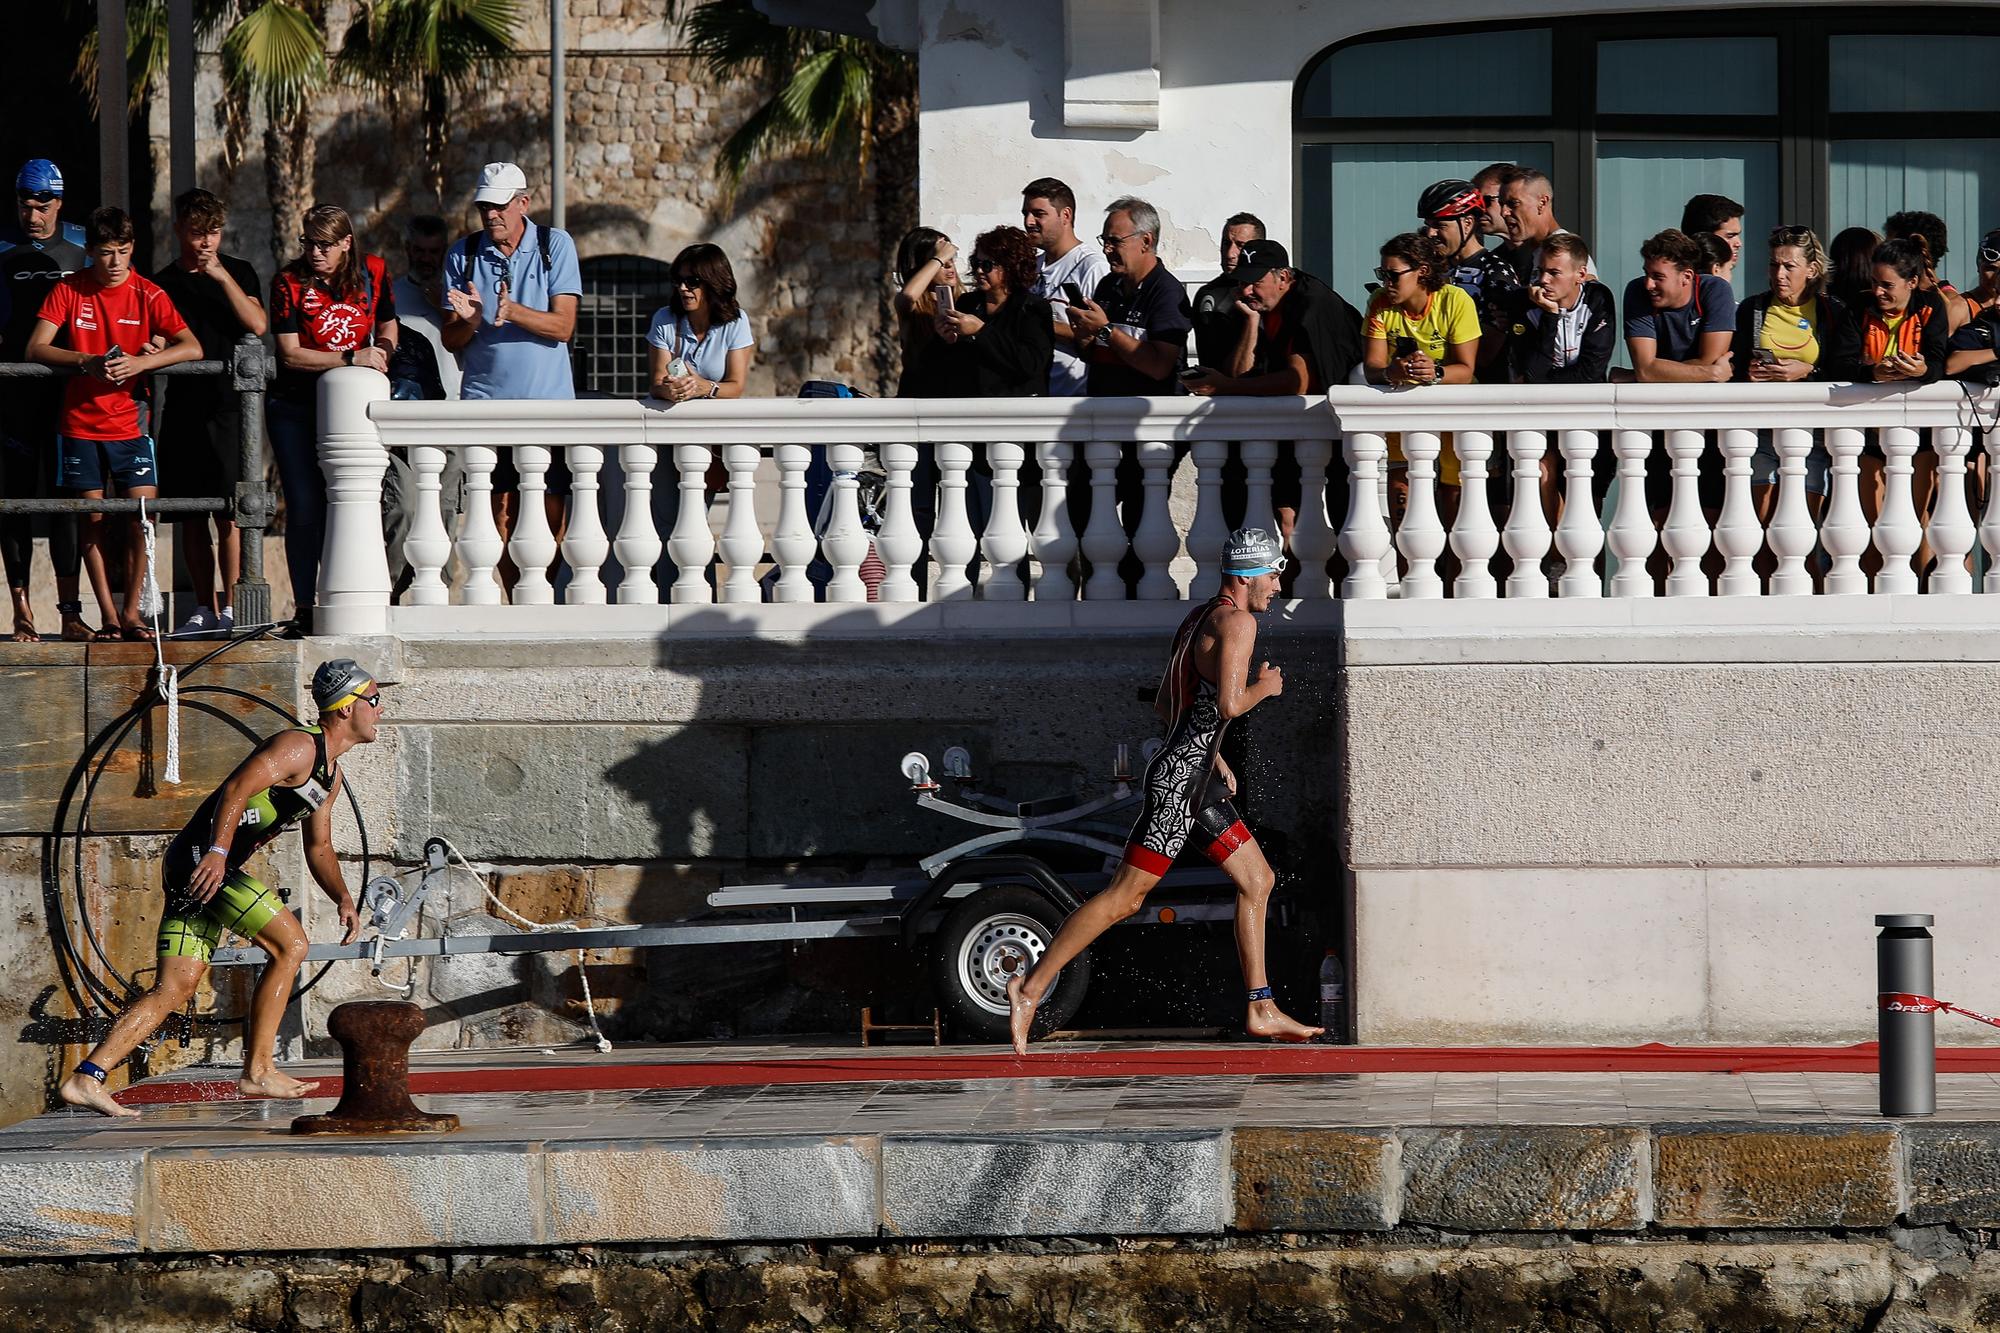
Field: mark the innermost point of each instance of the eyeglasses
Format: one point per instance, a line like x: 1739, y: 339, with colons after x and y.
x: 307, y: 244
x: 372, y: 700
x: 686, y: 280
x: 36, y: 196
x: 981, y: 264
x: 1989, y: 255
x: 1392, y: 274
x: 1108, y: 242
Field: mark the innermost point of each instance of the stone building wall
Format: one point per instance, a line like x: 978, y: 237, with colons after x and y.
x: 645, y: 124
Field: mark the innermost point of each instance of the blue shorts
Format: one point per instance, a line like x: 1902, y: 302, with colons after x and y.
x: 83, y: 465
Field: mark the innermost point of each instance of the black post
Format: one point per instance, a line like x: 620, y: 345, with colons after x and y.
x: 249, y: 374
x: 1907, y: 1069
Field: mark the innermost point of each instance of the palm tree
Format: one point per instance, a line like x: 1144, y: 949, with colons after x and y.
x: 831, y: 96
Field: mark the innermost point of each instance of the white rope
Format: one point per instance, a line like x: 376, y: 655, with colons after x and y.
x: 151, y: 604
x: 589, y: 1005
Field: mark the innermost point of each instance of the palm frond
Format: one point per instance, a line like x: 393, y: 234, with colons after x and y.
x: 146, y: 46
x: 278, y: 52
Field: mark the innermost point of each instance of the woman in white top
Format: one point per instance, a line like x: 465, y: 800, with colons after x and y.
x: 701, y: 343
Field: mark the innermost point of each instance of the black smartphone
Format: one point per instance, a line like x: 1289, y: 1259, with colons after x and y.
x: 1072, y: 293
x: 1192, y: 372
x: 1406, y: 346
x: 1764, y: 356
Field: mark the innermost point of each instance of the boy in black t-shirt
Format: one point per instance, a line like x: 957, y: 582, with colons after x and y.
x: 200, y: 421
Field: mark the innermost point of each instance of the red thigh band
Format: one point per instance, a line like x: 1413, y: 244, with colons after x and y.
x: 1227, y: 841
x: 1148, y: 860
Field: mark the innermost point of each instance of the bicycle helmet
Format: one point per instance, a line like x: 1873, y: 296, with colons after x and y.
x: 1449, y: 199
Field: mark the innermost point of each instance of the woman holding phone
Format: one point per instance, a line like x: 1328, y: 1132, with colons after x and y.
x: 700, y: 341
x: 999, y: 338
x: 927, y: 268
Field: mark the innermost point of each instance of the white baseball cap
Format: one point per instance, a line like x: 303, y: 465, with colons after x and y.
x: 499, y: 182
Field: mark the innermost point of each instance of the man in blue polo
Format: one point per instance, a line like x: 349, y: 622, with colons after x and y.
x: 512, y: 289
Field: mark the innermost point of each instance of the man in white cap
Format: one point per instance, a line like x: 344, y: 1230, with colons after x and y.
x: 1207, y: 682
x: 513, y: 288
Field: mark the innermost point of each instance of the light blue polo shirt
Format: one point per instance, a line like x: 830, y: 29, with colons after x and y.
x: 509, y: 361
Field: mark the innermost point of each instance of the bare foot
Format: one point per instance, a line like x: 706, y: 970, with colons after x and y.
x: 85, y: 1091
x: 1273, y: 1024
x: 273, y: 1084
x: 1020, y: 1014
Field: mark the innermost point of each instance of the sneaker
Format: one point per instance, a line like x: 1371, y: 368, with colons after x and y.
x: 226, y: 623
x: 201, y: 622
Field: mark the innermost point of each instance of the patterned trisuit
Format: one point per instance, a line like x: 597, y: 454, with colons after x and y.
x: 1176, y: 782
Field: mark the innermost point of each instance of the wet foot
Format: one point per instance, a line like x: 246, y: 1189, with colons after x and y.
x: 1020, y: 1014
x: 1273, y: 1024
x: 85, y: 1091
x: 272, y: 1084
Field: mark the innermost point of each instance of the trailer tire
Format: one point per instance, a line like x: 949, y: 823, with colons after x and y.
x: 977, y: 938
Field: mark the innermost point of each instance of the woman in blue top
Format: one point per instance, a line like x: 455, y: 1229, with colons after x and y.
x: 700, y: 340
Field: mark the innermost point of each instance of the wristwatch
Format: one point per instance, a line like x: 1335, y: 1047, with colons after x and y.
x: 713, y: 388
x: 1102, y: 337
x: 347, y: 357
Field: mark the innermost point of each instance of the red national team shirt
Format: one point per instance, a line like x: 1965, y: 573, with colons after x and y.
x: 89, y: 318
x: 328, y: 323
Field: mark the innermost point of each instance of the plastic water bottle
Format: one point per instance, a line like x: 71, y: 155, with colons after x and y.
x: 1333, y: 998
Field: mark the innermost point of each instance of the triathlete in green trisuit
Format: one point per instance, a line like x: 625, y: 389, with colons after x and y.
x: 291, y: 777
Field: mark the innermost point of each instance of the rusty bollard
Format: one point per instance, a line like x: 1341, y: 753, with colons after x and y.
x: 375, y: 1037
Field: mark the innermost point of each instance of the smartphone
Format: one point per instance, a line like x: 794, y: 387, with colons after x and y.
x: 1192, y: 372
x: 114, y: 353
x: 1764, y: 356
x: 1072, y: 293
x: 941, y: 294
x: 676, y: 368
x: 1406, y: 346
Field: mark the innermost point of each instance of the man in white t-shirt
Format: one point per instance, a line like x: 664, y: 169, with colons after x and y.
x: 1048, y: 215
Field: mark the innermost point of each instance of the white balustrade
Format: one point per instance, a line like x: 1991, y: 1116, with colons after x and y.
x: 479, y: 538
x: 428, y: 547
x: 1686, y: 535
x: 1527, y: 534
x: 354, y: 560
x: 1844, y: 533
x: 1579, y: 536
x: 952, y: 541
x: 794, y: 545
x: 1989, y: 525
x: 692, y: 544
x: 1632, y: 537
x: 1421, y: 538
x: 1738, y: 536
x: 1259, y: 457
x: 1897, y: 532
x: 1364, y: 534
x: 533, y: 544
x: 584, y: 546
x: 1313, y: 539
x: 1103, y: 536
x: 742, y: 540
x: 1209, y: 532
x: 638, y: 546
x: 1951, y: 531
x: 1791, y: 536
x: 1154, y: 541
x: 898, y: 542
x: 1054, y: 539
x: 1474, y: 539
x: 1004, y: 544
x: 845, y: 543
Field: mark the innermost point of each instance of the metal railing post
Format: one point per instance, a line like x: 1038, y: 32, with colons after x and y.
x: 250, y: 374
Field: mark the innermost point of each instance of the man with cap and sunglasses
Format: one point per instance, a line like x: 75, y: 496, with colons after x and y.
x: 289, y: 780
x: 1187, y: 791
x: 36, y: 252
x: 1452, y: 212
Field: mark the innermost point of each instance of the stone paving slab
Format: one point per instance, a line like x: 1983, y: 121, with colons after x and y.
x: 1475, y: 1153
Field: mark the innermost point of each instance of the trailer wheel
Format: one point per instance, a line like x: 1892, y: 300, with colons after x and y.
x: 989, y: 937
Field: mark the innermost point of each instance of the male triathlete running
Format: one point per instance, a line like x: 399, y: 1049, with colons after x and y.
x: 1207, y: 683
x: 291, y: 777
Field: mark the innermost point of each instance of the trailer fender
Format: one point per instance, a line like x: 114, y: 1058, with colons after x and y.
x: 1030, y: 869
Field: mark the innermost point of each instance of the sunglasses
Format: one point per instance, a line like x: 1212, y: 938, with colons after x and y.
x: 36, y: 196
x: 1392, y: 274
x: 1989, y: 255
x: 372, y: 700
x: 1108, y: 241
x: 981, y: 264
x: 1492, y: 200
x: 686, y: 280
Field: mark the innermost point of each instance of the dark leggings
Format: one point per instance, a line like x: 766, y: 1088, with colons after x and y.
x: 26, y: 477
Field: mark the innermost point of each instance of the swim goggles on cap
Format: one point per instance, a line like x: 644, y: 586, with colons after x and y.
x: 1275, y: 566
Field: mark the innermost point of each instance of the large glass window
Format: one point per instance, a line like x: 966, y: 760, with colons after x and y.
x: 1502, y: 73
x: 1957, y: 179
x: 1677, y: 76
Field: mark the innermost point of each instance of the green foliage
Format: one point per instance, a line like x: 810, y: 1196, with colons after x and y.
x: 399, y: 42
x: 276, y: 51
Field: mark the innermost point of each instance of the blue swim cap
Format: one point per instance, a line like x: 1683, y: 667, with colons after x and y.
x: 39, y: 176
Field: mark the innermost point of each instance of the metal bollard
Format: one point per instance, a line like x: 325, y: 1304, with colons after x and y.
x: 1907, y: 1072
x: 375, y: 1037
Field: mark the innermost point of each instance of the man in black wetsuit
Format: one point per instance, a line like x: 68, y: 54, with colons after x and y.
x: 290, y: 779
x: 1188, y: 786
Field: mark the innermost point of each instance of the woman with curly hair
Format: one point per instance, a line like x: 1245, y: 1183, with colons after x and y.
x: 1420, y: 330
x: 998, y: 339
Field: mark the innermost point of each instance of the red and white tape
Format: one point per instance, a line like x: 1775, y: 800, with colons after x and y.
x: 1899, y: 1002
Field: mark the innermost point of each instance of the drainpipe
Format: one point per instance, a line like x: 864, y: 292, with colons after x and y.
x: 113, y: 168
x: 558, y: 121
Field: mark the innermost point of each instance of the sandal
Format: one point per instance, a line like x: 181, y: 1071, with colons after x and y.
x: 139, y: 634
x: 73, y: 628
x: 109, y: 634
x: 24, y: 632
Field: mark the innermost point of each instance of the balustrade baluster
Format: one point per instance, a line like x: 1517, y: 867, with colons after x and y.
x: 1154, y: 540
x: 533, y: 546
x: 1844, y: 532
x: 1103, y: 537
x: 952, y: 541
x: 742, y: 539
x: 1313, y: 537
x: 1055, y: 535
x: 1473, y: 537
x: 428, y: 547
x: 1897, y: 532
x: 692, y: 543
x: 1421, y: 538
x: 1580, y: 533
x: 638, y: 545
x: 1737, y: 533
x: 1792, y: 534
x: 1004, y: 544
x: 1632, y: 536
x: 1259, y: 457
x: 1392, y: 566
x: 1364, y: 533
x: 1210, y: 530
x: 1686, y: 535
x: 898, y: 542
x: 1951, y: 530
x: 478, y: 539
x: 584, y: 546
x: 1527, y: 534
x: 845, y: 543
x: 793, y: 544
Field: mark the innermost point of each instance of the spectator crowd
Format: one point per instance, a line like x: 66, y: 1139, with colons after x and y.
x: 1488, y: 287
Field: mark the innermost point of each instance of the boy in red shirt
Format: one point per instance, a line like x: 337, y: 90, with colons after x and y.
x: 105, y: 316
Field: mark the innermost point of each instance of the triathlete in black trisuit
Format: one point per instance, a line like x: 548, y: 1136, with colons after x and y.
x: 1206, y: 684
x: 288, y: 780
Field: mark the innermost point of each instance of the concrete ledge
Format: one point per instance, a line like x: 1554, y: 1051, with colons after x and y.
x: 1953, y: 1173
x: 1521, y: 1178
x: 69, y: 1203
x: 1316, y: 1179
x: 1102, y: 1183
x: 728, y: 1190
x: 1729, y: 1176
